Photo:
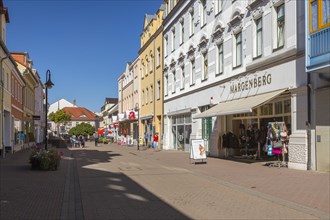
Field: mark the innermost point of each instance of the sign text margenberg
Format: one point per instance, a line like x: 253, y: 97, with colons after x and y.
x: 251, y: 83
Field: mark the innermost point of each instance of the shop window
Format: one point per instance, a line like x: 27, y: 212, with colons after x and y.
x: 180, y: 119
x: 266, y: 109
x: 278, y: 108
x: 173, y: 120
x: 287, y: 106
x: 187, y: 119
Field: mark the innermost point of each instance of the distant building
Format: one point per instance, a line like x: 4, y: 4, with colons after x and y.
x: 78, y: 115
x: 58, y: 105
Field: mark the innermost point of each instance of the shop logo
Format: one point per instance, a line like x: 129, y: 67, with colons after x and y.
x: 251, y: 83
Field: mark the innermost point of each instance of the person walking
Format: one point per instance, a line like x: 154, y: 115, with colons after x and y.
x: 96, y: 138
x: 146, y: 138
x: 155, y: 141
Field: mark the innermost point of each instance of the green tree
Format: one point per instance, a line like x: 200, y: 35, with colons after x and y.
x: 60, y: 117
x: 82, y: 129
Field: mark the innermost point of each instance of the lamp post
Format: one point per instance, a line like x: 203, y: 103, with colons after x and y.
x: 138, y: 130
x: 48, y: 85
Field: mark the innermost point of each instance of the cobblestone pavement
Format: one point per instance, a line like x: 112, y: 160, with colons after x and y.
x: 119, y: 182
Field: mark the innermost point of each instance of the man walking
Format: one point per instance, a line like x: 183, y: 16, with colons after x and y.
x: 146, y: 138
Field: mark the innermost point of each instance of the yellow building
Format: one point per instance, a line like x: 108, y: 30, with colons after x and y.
x: 151, y: 83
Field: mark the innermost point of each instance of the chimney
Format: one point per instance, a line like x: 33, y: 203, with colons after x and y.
x: 74, y: 103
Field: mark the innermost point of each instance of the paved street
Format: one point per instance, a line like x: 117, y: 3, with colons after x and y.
x: 119, y: 182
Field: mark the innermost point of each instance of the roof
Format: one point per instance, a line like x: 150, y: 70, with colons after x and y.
x: 80, y: 114
x: 149, y: 17
x: 111, y: 100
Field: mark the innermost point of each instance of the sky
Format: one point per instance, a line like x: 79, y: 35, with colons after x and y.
x: 85, y: 44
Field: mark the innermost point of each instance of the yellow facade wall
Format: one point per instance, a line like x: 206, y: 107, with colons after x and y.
x: 151, y: 102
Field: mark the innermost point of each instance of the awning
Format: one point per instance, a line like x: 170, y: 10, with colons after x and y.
x: 242, y: 105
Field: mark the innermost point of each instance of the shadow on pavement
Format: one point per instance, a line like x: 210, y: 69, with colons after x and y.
x: 114, y: 195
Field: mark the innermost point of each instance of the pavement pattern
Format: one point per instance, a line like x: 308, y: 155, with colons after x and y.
x: 119, y: 182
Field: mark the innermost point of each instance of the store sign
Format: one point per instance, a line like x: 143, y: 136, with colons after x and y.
x: 250, y: 83
x: 131, y: 115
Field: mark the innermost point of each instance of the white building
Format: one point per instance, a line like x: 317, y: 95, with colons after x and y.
x: 58, y: 105
x: 232, y: 63
x: 39, y: 110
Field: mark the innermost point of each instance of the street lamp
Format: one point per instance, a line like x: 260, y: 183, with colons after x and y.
x: 138, y: 121
x: 48, y: 85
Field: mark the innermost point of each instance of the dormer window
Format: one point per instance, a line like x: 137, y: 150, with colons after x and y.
x: 83, y: 116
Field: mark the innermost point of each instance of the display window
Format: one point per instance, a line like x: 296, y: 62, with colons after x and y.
x: 247, y: 137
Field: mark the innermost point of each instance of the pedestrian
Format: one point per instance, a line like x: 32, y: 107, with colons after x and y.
x: 146, y: 137
x: 96, y: 138
x: 155, y: 141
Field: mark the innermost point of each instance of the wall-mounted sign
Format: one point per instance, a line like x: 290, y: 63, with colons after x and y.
x: 250, y: 82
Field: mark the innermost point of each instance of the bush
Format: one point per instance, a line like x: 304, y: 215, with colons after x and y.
x: 45, y: 160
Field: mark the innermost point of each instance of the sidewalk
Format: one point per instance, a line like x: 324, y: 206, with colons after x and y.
x: 30, y: 194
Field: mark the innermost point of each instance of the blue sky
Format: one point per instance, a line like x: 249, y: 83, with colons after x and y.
x: 85, y: 44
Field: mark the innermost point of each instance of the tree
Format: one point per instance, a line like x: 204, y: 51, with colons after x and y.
x: 82, y: 129
x: 60, y: 117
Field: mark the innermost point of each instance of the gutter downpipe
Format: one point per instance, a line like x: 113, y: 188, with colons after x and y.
x: 2, y: 108
x: 308, y: 123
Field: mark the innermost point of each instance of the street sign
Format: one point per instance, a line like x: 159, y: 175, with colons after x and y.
x: 36, y: 117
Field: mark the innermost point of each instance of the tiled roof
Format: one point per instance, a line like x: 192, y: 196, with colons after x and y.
x: 80, y: 114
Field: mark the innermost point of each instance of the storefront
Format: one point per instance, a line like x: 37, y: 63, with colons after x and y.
x: 128, y: 127
x: 180, y: 123
x: 148, y: 127
x: 247, y: 106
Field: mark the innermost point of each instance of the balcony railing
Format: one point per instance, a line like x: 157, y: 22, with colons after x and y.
x: 319, y: 43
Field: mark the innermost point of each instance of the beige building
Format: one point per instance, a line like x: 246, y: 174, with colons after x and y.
x: 128, y: 103
x: 24, y: 65
x: 151, y: 56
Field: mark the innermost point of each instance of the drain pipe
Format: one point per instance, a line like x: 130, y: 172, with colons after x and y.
x: 308, y: 123
x: 2, y: 108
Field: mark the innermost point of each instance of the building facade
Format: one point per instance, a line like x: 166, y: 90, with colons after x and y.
x: 318, y: 67
x: 24, y: 64
x: 220, y: 53
x: 150, y: 55
x: 128, y: 113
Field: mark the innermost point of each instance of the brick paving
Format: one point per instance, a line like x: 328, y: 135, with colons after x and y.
x: 119, y: 182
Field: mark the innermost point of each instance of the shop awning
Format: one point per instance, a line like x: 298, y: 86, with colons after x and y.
x: 242, y: 105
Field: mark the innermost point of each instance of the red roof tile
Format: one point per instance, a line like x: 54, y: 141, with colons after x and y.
x: 80, y: 114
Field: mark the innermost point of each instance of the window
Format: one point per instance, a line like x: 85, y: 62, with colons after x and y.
x: 238, y: 49
x: 158, y: 56
x: 16, y: 90
x: 166, y: 85
x: 192, y: 72
x: 166, y: 46
x: 151, y: 93
x: 205, y: 67
x: 258, y: 44
x: 191, y: 29
x: 182, y: 78
x: 142, y: 97
x: 142, y: 70
x: 182, y: 32
x: 151, y: 62
x: 218, y: 6
x: 173, y: 39
x: 203, y: 12
x: 219, y: 59
x: 146, y: 69
x: 174, y: 82
x: 12, y: 86
x: 158, y: 89
x: 278, y: 108
x: 319, y: 14
x: 147, y: 94
x: 7, y: 82
x: 280, y: 25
